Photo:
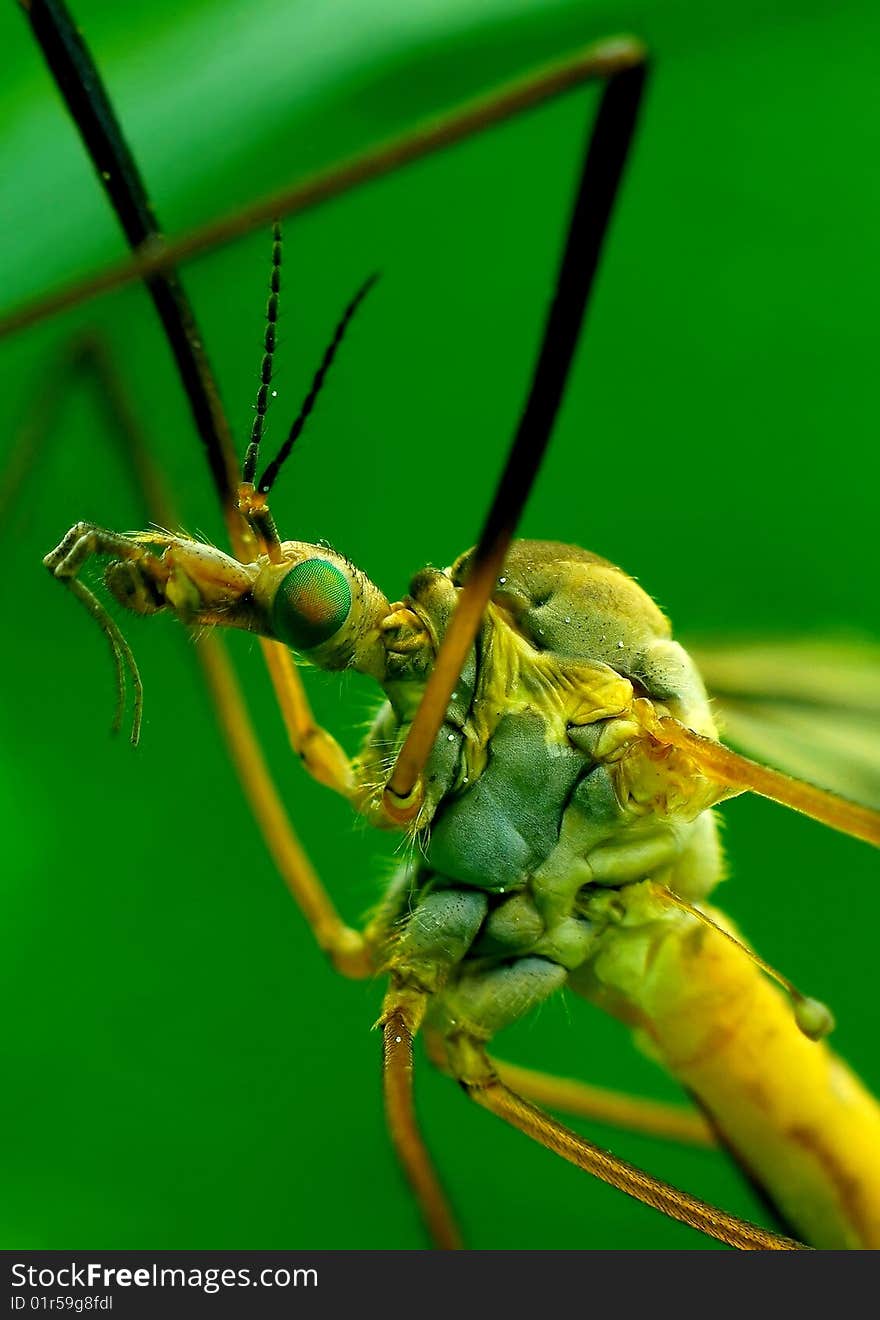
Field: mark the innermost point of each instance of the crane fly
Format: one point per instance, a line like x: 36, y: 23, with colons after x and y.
x: 544, y: 744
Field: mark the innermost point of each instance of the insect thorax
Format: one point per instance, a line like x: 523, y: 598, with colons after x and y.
x: 542, y: 787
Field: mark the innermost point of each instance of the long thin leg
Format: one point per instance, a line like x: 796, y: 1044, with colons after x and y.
x: 80, y: 84
x: 600, y: 60
x: 485, y: 1087
x: 581, y: 1100
x: 607, y: 149
x: 320, y: 753
x: 345, y: 946
x: 397, y: 1069
x: 743, y: 775
x: 78, y: 81
x: 632, y: 1113
x: 33, y: 436
x: 85, y: 357
x: 620, y: 60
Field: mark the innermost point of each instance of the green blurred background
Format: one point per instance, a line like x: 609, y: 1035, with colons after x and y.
x: 181, y: 1067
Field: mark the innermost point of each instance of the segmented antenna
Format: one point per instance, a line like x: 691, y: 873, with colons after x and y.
x: 253, y: 450
x: 267, y: 480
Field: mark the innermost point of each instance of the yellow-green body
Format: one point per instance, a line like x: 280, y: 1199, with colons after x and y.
x: 552, y: 825
x: 788, y: 1108
x: 561, y: 838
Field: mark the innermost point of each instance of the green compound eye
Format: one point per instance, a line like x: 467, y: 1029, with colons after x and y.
x: 311, y: 604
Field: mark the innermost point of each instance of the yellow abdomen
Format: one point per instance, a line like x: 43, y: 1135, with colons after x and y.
x: 793, y: 1113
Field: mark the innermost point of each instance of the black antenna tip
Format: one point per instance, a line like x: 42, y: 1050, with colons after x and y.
x: 252, y: 453
x: 267, y: 480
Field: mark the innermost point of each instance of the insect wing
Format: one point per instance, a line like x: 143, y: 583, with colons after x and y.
x: 807, y: 706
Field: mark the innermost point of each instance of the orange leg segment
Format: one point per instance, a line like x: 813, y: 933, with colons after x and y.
x: 485, y: 1087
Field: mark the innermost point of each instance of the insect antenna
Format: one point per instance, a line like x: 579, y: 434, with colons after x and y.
x: 249, y: 466
x: 813, y: 1018
x: 267, y: 480
x: 251, y: 508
